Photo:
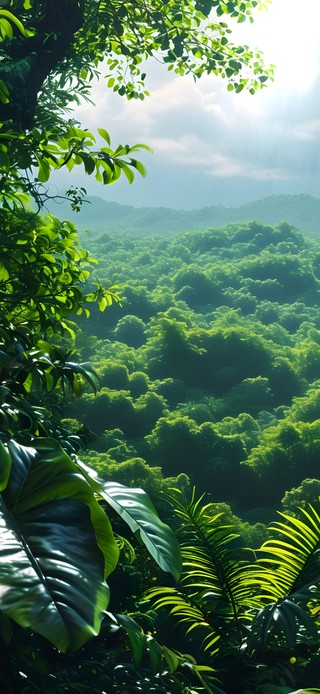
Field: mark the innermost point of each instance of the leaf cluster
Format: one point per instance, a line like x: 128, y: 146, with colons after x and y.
x: 232, y: 609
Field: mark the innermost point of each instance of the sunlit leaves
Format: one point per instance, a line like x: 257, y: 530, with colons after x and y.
x: 51, y: 269
x: 137, y: 511
x: 44, y: 152
x: 43, y: 270
x: 7, y: 22
x: 185, y: 37
x: 274, y: 599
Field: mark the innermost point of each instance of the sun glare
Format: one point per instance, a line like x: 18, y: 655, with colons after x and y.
x: 288, y: 33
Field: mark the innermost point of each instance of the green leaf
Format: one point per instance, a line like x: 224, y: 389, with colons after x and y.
x: 12, y: 18
x: 5, y: 466
x: 136, y: 509
x: 126, y: 170
x: 104, y: 134
x: 136, y: 636
x: 43, y: 170
x: 102, y: 303
x: 89, y: 163
x: 86, y: 371
x: 172, y: 659
x: 56, y: 547
x: 4, y: 159
x: 4, y: 94
x: 4, y: 274
x: 139, y: 167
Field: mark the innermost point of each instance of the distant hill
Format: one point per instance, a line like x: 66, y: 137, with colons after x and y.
x: 303, y: 211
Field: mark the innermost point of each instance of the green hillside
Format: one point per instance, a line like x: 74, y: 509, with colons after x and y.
x: 302, y: 211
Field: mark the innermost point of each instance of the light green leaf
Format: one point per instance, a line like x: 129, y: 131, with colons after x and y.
x: 43, y: 170
x: 4, y: 274
x: 102, y: 303
x: 104, y: 134
x: 11, y: 17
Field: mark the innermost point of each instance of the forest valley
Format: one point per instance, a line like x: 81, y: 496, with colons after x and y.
x: 207, y: 380
x: 159, y: 397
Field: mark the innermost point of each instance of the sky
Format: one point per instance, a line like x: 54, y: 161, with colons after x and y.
x: 211, y: 146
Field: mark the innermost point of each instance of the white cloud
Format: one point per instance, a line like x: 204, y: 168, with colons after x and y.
x: 203, y: 134
x: 309, y: 131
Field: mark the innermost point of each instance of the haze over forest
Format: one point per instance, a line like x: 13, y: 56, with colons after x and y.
x: 97, y: 215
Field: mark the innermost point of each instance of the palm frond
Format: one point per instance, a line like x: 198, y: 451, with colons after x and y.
x: 214, y: 571
x: 188, y: 615
x: 286, y: 581
x: 212, y: 594
x: 289, y: 562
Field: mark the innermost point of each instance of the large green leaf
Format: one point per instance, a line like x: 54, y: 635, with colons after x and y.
x: 281, y: 624
x: 56, y: 547
x: 137, y: 510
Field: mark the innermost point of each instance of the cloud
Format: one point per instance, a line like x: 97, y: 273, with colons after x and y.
x: 214, y: 146
x: 308, y: 132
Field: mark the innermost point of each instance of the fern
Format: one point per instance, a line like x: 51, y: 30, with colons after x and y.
x: 214, y: 590
x: 287, y: 583
x: 290, y: 559
x: 239, y: 610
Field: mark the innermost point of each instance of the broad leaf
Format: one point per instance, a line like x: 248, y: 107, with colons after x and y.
x: 56, y: 547
x: 137, y: 510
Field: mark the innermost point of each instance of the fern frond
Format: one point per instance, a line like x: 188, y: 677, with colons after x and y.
x: 214, y: 572
x: 188, y: 615
x: 290, y: 559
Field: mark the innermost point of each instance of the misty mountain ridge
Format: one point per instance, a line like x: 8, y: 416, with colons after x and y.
x: 97, y: 214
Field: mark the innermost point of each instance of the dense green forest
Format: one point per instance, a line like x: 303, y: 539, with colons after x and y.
x: 154, y: 412
x: 211, y: 366
x: 210, y: 376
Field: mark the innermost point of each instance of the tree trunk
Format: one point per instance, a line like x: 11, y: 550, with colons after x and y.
x: 27, y: 62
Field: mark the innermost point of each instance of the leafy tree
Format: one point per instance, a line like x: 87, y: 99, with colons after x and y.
x: 251, y: 395
x: 113, y: 375
x: 54, y: 532
x: 136, y: 472
x: 179, y: 445
x: 307, y: 359
x: 285, y: 381
x: 307, y: 407
x: 138, y: 384
x: 195, y: 287
x: 244, y: 425
x: 50, y: 52
x: 301, y: 497
x: 288, y: 453
x: 130, y: 329
x: 53, y: 529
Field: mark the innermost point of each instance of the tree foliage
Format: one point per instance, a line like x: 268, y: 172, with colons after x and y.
x: 52, y: 50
